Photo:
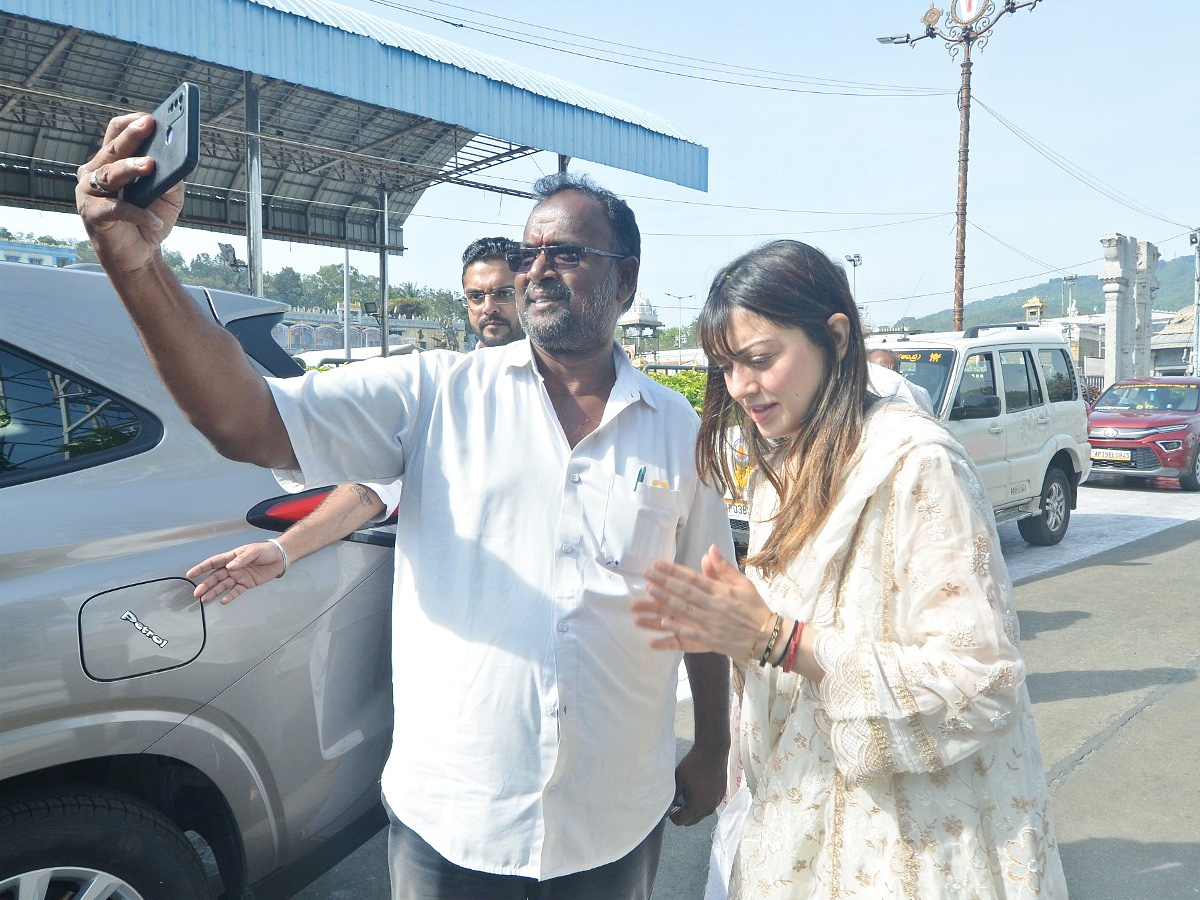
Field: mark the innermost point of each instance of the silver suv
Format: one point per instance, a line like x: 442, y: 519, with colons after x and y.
x: 1012, y: 395
x: 151, y: 748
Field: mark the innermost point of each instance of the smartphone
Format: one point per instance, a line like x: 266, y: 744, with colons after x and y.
x: 174, y: 146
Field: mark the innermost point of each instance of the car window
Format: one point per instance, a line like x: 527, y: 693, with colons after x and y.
x: 1150, y: 396
x: 931, y: 369
x: 1188, y: 398
x: 978, y: 378
x: 1059, y: 374
x: 53, y: 422
x: 1021, y: 387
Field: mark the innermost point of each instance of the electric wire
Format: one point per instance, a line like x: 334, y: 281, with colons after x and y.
x: 1075, y: 171
x: 1049, y: 271
x: 1021, y: 253
x: 843, y: 88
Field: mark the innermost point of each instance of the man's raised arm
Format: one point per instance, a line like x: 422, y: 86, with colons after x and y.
x: 202, y: 365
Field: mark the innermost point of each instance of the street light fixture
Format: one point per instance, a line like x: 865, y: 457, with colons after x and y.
x: 679, y: 298
x: 969, y: 22
x: 229, y: 257
x: 1069, y: 283
x: 855, y: 260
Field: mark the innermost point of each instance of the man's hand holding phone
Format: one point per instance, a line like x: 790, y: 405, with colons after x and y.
x: 126, y: 236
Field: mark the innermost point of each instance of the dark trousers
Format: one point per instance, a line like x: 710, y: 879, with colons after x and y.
x: 421, y: 873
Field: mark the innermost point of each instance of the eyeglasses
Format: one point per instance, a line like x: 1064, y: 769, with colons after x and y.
x: 558, y: 256
x: 500, y: 296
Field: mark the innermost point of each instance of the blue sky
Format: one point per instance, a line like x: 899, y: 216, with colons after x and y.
x: 860, y: 163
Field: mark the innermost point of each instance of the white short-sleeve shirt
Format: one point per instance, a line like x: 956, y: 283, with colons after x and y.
x: 534, y: 730
x: 892, y: 385
x: 388, y: 493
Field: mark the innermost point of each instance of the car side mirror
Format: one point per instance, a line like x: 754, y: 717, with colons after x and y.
x: 977, y: 407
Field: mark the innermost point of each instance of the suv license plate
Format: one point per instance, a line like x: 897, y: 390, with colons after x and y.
x: 737, y: 508
x: 1105, y: 453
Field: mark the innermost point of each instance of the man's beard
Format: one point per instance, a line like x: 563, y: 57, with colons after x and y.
x: 568, y: 331
x: 498, y: 341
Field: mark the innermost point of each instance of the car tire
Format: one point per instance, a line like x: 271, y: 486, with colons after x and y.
x: 1048, y: 527
x: 1190, y: 480
x: 83, y: 841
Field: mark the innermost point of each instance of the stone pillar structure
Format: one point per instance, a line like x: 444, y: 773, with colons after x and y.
x: 1117, y: 275
x: 1144, y: 288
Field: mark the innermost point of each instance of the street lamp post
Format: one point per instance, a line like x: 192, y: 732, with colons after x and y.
x: 1069, y: 282
x: 855, y: 260
x: 679, y: 298
x: 969, y: 22
x: 1195, y: 239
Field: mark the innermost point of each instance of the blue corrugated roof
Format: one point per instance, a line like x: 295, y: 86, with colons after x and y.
x: 342, y: 51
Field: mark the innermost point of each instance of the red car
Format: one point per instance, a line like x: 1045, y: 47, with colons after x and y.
x: 1148, y: 428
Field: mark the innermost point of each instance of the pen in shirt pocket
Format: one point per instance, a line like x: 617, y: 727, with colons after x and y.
x: 641, y: 476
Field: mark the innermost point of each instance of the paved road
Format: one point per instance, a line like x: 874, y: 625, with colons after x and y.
x: 1110, y: 622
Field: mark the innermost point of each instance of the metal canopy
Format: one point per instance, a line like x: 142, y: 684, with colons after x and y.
x: 350, y: 107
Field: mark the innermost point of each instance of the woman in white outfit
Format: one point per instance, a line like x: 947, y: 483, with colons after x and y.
x: 886, y: 731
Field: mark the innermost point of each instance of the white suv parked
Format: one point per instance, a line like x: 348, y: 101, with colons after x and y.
x: 1011, y: 394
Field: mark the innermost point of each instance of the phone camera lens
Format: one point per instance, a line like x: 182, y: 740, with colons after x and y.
x: 170, y: 135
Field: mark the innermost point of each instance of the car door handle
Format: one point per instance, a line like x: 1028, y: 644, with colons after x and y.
x: 995, y: 429
x: 1044, y: 421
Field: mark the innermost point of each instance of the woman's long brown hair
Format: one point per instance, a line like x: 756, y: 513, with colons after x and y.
x: 791, y: 285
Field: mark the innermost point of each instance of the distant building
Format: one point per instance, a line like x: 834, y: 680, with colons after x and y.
x: 37, y: 254
x: 314, y: 329
x: 640, y: 326
x: 1172, y: 346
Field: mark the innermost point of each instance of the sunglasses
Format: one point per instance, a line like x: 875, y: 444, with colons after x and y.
x: 558, y: 256
x: 500, y: 296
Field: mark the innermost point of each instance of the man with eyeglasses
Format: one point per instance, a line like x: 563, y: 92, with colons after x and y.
x: 488, y: 293
x: 490, y: 301
x: 534, y: 726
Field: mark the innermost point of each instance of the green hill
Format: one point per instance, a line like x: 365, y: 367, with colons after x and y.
x: 1176, y: 287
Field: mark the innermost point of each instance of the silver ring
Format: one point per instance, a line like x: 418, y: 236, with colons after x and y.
x: 96, y: 186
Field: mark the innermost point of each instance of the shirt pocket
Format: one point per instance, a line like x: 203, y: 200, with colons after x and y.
x: 640, y: 520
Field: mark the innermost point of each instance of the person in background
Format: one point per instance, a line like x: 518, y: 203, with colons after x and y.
x: 886, y: 730
x: 490, y: 300
x: 534, y: 740
x: 900, y: 387
x: 488, y: 293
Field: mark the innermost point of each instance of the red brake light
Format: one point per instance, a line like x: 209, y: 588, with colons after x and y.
x: 278, y: 513
x: 293, y: 509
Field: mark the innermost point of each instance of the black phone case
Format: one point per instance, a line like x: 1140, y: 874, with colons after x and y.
x: 174, y: 146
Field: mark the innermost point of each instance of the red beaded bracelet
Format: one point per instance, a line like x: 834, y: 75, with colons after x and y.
x: 789, y: 658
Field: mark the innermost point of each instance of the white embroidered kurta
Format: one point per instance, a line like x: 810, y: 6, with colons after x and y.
x: 913, y: 770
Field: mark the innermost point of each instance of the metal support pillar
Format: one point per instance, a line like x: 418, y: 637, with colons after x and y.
x: 254, y: 197
x: 383, y: 271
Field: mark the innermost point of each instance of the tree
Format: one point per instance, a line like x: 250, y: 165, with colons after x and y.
x: 85, y: 253
x: 408, y: 308
x: 440, y: 303
x: 286, y: 285
x: 207, y: 270
x: 323, y: 289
